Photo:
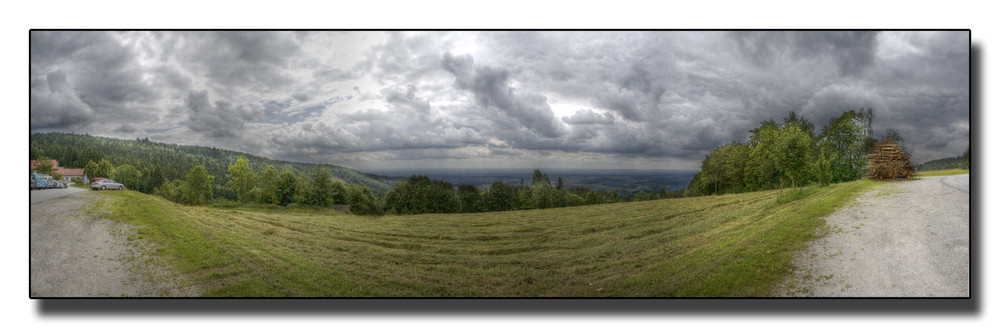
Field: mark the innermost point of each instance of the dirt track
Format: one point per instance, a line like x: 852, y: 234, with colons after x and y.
x: 905, y: 239
x: 78, y: 255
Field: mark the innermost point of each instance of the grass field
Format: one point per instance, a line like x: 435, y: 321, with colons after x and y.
x: 737, y: 245
x: 942, y: 172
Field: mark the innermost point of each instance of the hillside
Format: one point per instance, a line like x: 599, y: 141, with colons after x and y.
x: 738, y: 245
x: 161, y: 162
x: 956, y: 162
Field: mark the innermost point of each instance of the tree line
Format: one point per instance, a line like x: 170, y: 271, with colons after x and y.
x: 419, y: 194
x: 156, y: 163
x: 791, y: 154
x: 270, y: 187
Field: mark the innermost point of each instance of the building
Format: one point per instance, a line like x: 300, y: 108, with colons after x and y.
x: 66, y: 173
x: 71, y: 173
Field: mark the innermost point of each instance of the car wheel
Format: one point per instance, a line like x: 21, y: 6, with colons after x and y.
x: 121, y: 187
x: 104, y: 187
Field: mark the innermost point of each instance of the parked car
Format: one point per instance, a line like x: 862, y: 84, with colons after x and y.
x: 104, y: 184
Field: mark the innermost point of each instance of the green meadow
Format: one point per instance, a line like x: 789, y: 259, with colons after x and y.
x: 737, y: 245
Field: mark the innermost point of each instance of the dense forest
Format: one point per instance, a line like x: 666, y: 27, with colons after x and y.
x: 790, y: 154
x: 158, y: 163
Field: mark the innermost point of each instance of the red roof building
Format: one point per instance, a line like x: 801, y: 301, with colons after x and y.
x: 68, y: 173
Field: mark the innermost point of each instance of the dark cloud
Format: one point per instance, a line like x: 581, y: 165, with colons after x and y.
x: 491, y: 87
x: 518, y: 96
x: 126, y: 128
x: 252, y: 60
x: 221, y: 120
x: 55, y: 104
x: 850, y: 51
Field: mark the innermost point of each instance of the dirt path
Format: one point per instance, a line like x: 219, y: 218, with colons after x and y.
x: 905, y: 239
x: 79, y: 255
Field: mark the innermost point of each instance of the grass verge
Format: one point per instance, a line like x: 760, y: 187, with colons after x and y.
x: 737, y: 245
x: 942, y: 172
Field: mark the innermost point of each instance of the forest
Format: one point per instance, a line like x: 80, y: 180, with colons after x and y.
x: 791, y: 154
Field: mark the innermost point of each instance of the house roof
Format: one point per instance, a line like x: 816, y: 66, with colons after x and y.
x: 61, y: 170
x: 70, y: 172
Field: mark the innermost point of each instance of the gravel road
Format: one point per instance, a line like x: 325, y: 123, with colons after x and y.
x: 902, y: 239
x: 73, y: 254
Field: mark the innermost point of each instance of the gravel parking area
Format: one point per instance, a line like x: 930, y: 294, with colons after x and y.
x: 73, y: 254
x: 902, y: 239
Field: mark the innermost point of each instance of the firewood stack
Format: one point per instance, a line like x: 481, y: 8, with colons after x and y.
x: 889, y: 163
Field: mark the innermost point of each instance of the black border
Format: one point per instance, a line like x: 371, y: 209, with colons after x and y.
x: 99, y: 306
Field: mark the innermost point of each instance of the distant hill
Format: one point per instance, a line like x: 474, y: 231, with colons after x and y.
x: 956, y: 162
x: 161, y: 162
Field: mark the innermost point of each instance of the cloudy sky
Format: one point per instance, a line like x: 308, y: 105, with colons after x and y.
x: 384, y: 100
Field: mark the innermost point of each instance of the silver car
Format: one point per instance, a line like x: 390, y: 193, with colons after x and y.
x: 105, y: 184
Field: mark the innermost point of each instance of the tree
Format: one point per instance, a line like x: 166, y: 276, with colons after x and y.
x: 538, y: 178
x: 419, y: 194
x: 91, y: 170
x: 793, y: 154
x: 847, y: 141
x: 723, y: 169
x: 525, y: 198
x: 127, y: 175
x: 362, y: 200
x: 323, y: 190
x: 285, y: 188
x: 472, y: 200
x: 966, y: 157
x: 242, y: 179
x: 268, y: 185
x: 172, y: 191
x: 43, y: 165
x: 197, y: 188
x: 501, y: 197
x: 761, y: 172
x: 102, y: 170
x: 544, y: 196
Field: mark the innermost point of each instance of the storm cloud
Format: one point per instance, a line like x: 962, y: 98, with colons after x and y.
x: 638, y: 99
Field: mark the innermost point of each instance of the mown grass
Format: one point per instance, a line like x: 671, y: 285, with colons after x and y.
x: 737, y: 245
x: 942, y: 172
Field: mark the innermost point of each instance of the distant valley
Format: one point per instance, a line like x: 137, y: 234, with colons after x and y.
x: 626, y: 182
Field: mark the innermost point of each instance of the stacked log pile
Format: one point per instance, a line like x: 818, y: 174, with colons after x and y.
x: 889, y: 163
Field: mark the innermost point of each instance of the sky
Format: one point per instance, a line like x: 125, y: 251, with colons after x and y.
x: 375, y: 100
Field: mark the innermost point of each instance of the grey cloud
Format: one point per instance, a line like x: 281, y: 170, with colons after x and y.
x: 647, y: 94
x: 833, y: 100
x: 402, y: 59
x: 333, y: 74
x: 220, y: 120
x: 55, y: 104
x: 589, y: 117
x: 256, y: 60
x: 126, y: 128
x: 851, y: 51
x: 492, y: 89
